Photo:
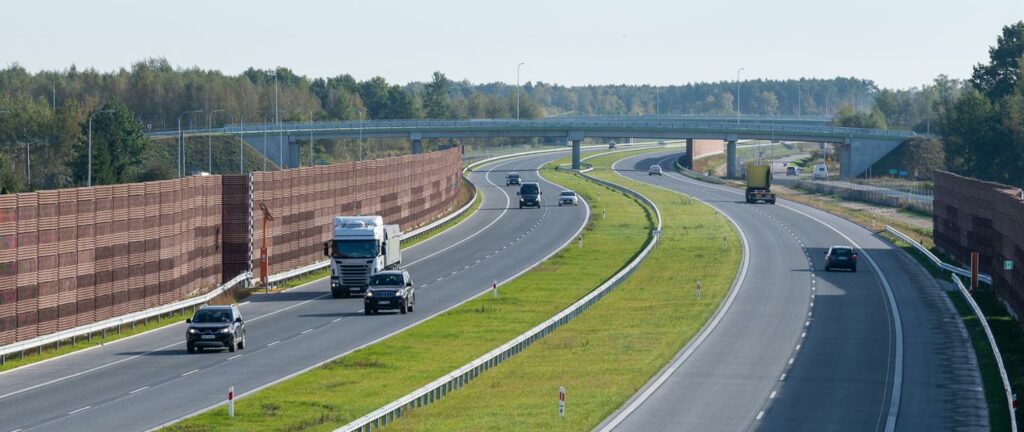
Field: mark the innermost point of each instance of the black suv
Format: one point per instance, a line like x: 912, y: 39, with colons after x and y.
x: 529, y: 194
x: 841, y: 257
x: 512, y: 179
x: 392, y: 289
x: 215, y: 327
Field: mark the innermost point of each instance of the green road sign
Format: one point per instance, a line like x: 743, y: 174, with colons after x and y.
x: 1007, y: 265
x: 893, y: 171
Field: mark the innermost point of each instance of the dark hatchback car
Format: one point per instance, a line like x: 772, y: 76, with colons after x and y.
x: 392, y: 289
x: 529, y: 194
x: 215, y: 327
x: 841, y: 257
x: 512, y: 179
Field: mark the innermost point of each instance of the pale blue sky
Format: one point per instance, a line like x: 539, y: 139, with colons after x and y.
x: 897, y: 43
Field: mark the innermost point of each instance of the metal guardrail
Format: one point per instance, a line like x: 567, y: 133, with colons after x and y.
x: 454, y: 380
x: 995, y: 348
x: 106, y: 324
x: 934, y: 259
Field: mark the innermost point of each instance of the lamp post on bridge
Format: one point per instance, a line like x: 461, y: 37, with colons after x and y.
x: 181, y: 144
x: 738, y: 95
x: 520, y: 65
x: 310, y: 138
x: 209, y: 138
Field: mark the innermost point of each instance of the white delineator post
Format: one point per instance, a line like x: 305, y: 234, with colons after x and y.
x: 561, y: 401
x: 494, y: 289
x: 231, y: 401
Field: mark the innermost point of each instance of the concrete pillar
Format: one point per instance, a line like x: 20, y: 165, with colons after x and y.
x: 627, y: 141
x: 730, y: 159
x: 576, y: 154
x: 417, y: 142
x: 689, y: 153
x: 291, y: 159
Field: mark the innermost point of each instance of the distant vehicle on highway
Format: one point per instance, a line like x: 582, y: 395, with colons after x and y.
x: 820, y: 172
x: 360, y: 247
x: 843, y: 257
x: 791, y: 171
x: 512, y: 179
x: 529, y: 194
x: 391, y: 289
x: 654, y: 170
x: 215, y: 327
x: 568, y: 197
x: 611, y: 145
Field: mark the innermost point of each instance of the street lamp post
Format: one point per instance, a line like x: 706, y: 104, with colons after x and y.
x: 89, y: 169
x: 360, y: 135
x: 181, y: 144
x: 209, y: 140
x: 311, y: 138
x: 280, y: 133
x: 520, y: 65
x: 738, y: 95
x: 241, y: 143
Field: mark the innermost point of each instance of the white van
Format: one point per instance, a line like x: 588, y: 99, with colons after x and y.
x: 820, y: 172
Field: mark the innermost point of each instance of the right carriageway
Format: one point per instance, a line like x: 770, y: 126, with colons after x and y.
x: 797, y: 348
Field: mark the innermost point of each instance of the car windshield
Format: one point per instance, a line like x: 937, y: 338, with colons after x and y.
x: 386, y: 279
x: 528, y: 189
x: 212, y: 316
x: 568, y: 194
x: 355, y: 249
x: 513, y: 176
x: 841, y: 252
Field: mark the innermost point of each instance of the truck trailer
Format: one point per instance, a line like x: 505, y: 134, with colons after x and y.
x: 360, y: 246
x: 759, y: 184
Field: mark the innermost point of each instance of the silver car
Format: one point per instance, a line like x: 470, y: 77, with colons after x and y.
x: 568, y: 197
x: 654, y: 170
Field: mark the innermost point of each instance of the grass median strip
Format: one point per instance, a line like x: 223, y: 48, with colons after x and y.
x: 603, y: 357
x: 356, y: 384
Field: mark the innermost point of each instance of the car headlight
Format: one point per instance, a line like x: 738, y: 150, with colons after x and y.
x: 369, y: 293
x: 192, y: 331
x: 399, y: 294
x: 225, y: 330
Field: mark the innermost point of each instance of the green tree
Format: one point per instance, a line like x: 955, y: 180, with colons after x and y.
x: 118, y: 143
x: 436, y: 99
x: 996, y: 79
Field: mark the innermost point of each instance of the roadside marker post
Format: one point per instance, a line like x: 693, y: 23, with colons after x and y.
x: 561, y: 402
x: 231, y: 401
x: 494, y: 289
x: 699, y: 286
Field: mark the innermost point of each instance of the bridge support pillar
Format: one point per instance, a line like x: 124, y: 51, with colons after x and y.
x: 627, y: 141
x: 416, y: 141
x: 689, y: 153
x: 730, y: 159
x: 576, y: 138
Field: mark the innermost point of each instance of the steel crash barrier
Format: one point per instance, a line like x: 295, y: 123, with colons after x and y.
x: 439, y: 388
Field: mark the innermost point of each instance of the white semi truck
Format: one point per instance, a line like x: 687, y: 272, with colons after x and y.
x: 361, y: 246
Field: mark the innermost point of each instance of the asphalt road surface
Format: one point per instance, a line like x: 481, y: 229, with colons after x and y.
x: 148, y: 380
x: 798, y: 348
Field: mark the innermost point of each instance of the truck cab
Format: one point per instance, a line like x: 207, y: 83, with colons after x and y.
x: 360, y: 247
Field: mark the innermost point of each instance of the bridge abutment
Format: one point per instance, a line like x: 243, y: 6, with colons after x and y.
x: 689, y: 153
x: 730, y: 156
x: 416, y: 142
x: 576, y: 138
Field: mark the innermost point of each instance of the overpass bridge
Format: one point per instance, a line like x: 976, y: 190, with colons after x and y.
x: 858, y: 148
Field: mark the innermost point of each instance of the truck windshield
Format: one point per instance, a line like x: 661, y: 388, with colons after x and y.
x: 528, y: 189
x: 355, y: 249
x: 385, y: 279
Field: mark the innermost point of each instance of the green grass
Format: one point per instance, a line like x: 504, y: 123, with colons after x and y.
x: 604, y: 356
x: 33, y: 356
x: 347, y: 388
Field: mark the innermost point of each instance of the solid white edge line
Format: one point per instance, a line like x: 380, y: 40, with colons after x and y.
x: 79, y: 410
x: 897, y: 385
x: 583, y: 224
x: 696, y: 343
x: 190, y: 372
x: 138, y: 390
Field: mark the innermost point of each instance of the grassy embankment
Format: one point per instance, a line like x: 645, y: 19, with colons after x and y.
x: 349, y: 387
x: 603, y: 357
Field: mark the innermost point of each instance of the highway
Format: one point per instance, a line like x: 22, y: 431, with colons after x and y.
x: 148, y: 380
x: 798, y: 348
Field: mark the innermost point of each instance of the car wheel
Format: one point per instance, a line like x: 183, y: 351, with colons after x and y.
x: 232, y: 345
x: 191, y: 348
x: 413, y: 304
x: 827, y: 268
x: 520, y: 206
x: 854, y: 269
x: 241, y: 343
x: 403, y: 309
x: 366, y: 311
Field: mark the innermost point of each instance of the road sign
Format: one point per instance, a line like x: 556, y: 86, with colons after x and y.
x: 903, y: 173
x: 894, y: 171
x: 1007, y: 265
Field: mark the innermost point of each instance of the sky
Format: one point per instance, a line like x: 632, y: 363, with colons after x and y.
x: 896, y: 43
